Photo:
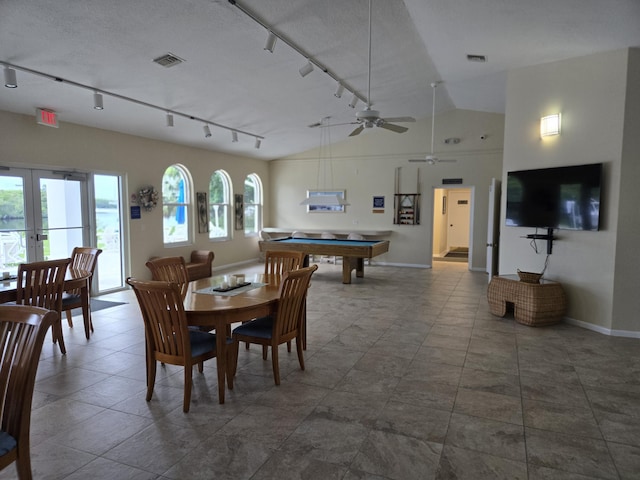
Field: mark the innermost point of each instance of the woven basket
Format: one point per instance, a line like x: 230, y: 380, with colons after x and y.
x: 529, y: 277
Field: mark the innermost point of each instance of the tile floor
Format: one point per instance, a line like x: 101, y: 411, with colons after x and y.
x: 408, y: 377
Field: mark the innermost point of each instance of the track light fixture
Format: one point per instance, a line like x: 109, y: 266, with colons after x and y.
x: 354, y: 101
x: 234, y: 136
x: 339, y: 90
x: 10, y: 80
x: 271, y: 42
x: 258, y: 142
x: 306, y: 69
x: 97, y: 101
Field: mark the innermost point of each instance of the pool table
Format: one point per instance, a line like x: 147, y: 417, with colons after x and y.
x: 353, y: 252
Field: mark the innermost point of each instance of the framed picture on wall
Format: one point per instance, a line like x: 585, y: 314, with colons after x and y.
x: 328, y: 201
x: 239, y: 211
x: 203, y: 212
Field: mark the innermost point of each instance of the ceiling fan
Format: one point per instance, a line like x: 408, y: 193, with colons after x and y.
x: 431, y: 159
x: 368, y: 117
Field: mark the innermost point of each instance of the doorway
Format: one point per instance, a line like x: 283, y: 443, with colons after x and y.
x: 44, y: 215
x: 452, y: 224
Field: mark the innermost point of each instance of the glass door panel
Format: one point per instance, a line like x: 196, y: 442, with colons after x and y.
x: 13, y: 221
x: 109, y: 274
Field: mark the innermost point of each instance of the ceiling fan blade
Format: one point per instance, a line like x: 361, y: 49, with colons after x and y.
x: 357, y: 131
x: 423, y: 160
x: 322, y: 125
x: 399, y: 119
x: 314, y: 125
x: 394, y: 128
x: 446, y: 160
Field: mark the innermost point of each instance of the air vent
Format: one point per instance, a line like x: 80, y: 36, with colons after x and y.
x: 168, y: 60
x: 477, y: 58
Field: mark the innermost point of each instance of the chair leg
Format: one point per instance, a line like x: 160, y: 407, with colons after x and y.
x: 289, y: 346
x: 69, y: 319
x: 151, y: 377
x: 23, y: 464
x: 265, y: 350
x: 188, y: 372
x: 200, y: 367
x: 274, y: 362
x: 57, y: 336
x: 232, y: 360
x: 234, y: 365
x: 299, y: 350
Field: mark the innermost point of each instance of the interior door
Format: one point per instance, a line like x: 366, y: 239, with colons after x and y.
x: 493, y: 228
x: 459, y: 212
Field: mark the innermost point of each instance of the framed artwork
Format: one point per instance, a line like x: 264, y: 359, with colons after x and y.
x: 239, y: 211
x: 327, y: 201
x: 203, y: 212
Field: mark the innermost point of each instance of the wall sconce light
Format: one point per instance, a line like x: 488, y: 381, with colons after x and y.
x: 10, y: 80
x: 550, y: 125
x: 97, y: 101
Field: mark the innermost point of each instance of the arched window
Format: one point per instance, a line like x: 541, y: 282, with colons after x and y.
x: 219, y: 201
x: 176, y: 199
x: 252, y: 205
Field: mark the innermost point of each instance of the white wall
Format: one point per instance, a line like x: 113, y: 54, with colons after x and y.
x: 142, y: 162
x: 365, y: 166
x: 591, y: 94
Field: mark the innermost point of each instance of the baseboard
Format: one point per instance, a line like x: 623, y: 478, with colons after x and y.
x: 234, y: 265
x: 603, y: 330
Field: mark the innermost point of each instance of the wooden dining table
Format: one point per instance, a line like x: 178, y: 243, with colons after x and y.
x: 207, y: 308
x: 75, y: 278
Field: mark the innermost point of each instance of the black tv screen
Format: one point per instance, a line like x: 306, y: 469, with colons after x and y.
x: 562, y: 197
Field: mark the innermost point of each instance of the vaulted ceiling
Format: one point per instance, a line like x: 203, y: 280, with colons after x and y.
x: 228, y: 79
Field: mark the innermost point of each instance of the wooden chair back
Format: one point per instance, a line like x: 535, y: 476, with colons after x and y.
x: 22, y: 332
x: 40, y: 284
x: 164, y: 319
x: 293, y: 293
x: 84, y: 258
x: 170, y: 269
x: 281, y: 262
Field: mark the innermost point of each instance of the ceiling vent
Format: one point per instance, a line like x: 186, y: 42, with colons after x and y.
x: 477, y: 58
x: 168, y: 60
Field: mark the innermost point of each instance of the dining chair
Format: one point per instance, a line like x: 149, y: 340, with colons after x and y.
x: 22, y: 333
x: 282, y: 262
x: 167, y: 336
x: 170, y: 269
x: 82, y: 258
x: 40, y: 284
x: 283, y: 326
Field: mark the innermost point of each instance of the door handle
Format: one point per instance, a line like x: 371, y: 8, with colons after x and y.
x: 41, y: 237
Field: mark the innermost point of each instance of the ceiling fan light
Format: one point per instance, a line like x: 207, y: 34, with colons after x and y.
x: 306, y: 69
x: 10, y: 80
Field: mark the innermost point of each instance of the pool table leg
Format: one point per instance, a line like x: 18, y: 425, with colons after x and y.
x: 346, y: 269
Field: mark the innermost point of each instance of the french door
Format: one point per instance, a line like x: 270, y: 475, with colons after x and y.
x: 43, y: 215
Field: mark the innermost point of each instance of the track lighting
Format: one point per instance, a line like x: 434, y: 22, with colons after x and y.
x: 271, y: 42
x: 339, y: 90
x: 10, y: 80
x: 257, y: 144
x: 169, y: 120
x: 97, y: 101
x: 354, y: 101
x: 306, y: 69
x: 207, y: 131
x: 234, y: 136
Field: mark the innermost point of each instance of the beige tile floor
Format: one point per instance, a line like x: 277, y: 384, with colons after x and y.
x: 408, y: 377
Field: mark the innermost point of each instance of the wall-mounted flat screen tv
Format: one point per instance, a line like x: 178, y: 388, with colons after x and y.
x: 562, y: 197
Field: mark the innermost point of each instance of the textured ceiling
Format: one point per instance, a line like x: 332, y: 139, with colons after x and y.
x: 228, y: 78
